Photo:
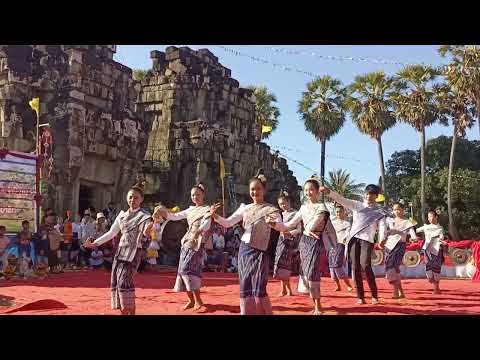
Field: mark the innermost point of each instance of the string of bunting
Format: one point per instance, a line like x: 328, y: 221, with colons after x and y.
x: 264, y: 61
x: 336, y: 58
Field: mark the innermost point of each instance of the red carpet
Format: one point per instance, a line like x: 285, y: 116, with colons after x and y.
x: 87, y: 292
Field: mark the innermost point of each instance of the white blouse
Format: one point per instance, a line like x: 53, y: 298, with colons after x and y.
x: 184, y: 214
x: 304, y: 214
x: 235, y: 218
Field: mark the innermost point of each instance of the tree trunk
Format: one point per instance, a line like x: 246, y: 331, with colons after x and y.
x: 322, y: 166
x: 382, y: 167
x: 451, y: 225
x: 422, y: 165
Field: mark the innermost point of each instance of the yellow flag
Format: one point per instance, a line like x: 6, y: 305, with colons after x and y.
x: 222, y: 168
x: 380, y: 198
x: 266, y: 129
x: 35, y: 105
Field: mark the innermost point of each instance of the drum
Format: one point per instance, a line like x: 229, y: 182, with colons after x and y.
x: 411, y: 258
x: 377, y: 257
x: 459, y: 256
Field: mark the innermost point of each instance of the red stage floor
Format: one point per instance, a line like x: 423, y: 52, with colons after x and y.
x: 87, y: 292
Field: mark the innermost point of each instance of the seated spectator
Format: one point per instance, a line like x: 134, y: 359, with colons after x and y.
x: 232, y: 262
x: 25, y: 255
x: 41, y: 245
x: 218, y: 239
x: 4, y: 242
x: 96, y: 258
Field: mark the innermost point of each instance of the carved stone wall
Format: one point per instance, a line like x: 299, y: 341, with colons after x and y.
x: 198, y: 113
x: 89, y: 101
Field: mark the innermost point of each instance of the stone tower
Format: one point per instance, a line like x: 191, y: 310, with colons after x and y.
x: 198, y: 113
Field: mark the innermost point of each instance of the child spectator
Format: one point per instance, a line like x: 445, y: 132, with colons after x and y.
x: 4, y: 242
x: 96, y: 258
x: 25, y: 255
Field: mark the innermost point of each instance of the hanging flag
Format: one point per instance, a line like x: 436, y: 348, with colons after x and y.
x: 35, y: 105
x: 380, y: 198
x: 222, y: 168
x: 266, y: 129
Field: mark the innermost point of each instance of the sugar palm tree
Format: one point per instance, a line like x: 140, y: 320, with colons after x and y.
x: 414, y: 103
x: 455, y: 105
x: 266, y: 113
x: 322, y: 109
x: 371, y: 109
x: 341, y: 182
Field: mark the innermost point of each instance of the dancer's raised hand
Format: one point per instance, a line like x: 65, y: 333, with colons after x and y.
x: 324, y: 189
x: 214, y: 208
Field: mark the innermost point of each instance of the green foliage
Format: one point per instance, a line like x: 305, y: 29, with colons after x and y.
x: 403, y: 182
x: 266, y: 113
x: 322, y: 107
x: 139, y: 74
x: 341, y: 182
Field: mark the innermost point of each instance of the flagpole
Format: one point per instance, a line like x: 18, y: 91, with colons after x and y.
x: 223, y: 197
x: 37, y: 176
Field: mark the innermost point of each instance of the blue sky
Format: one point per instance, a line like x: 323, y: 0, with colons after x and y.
x: 349, y: 149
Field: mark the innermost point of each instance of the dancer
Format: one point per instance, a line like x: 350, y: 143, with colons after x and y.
x: 336, y: 256
x: 197, y: 238
x: 285, y: 245
x: 394, y: 245
x: 132, y: 225
x: 433, y: 249
x: 318, y: 235
x: 367, y: 219
x: 253, y: 260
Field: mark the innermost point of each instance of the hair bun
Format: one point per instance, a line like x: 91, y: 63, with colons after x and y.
x: 200, y: 185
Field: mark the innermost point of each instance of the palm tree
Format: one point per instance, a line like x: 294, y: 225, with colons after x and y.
x: 414, y: 104
x: 455, y: 104
x: 371, y: 109
x: 266, y: 113
x: 340, y: 182
x: 322, y: 109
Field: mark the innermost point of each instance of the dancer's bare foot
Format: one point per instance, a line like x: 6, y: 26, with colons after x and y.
x: 338, y: 288
x: 289, y: 293
x: 374, y: 301
x: 316, y: 312
x: 349, y: 289
x: 361, y: 301
x: 281, y: 294
x: 198, y: 306
x: 189, y: 305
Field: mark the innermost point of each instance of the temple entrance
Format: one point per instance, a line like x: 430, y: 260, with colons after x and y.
x: 85, y: 198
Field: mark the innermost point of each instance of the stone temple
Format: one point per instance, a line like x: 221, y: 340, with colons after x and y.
x: 109, y: 130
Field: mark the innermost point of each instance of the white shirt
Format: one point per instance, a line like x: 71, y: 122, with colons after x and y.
x: 114, y: 229
x: 183, y: 215
x: 342, y: 228
x: 303, y: 214
x: 236, y: 217
x: 367, y: 234
x: 433, y: 236
x: 393, y: 239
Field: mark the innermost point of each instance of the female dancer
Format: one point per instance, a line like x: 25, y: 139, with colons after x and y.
x: 198, y: 237
x: 252, y: 256
x: 433, y: 249
x: 318, y: 235
x: 336, y: 256
x: 285, y: 245
x: 132, y: 225
x: 394, y: 245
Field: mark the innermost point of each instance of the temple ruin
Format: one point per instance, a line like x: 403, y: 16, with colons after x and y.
x: 110, y: 130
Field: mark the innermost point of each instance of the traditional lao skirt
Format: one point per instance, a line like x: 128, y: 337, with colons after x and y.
x: 189, y: 276
x: 393, y: 260
x: 433, y: 265
x: 336, y: 261
x: 310, y: 255
x: 283, y: 259
x: 253, y: 265
x: 122, y: 286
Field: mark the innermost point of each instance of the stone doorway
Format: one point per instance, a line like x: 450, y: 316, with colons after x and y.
x: 86, y: 198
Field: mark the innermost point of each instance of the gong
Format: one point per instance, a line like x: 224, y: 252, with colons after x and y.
x: 411, y: 258
x: 377, y: 257
x: 459, y: 256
